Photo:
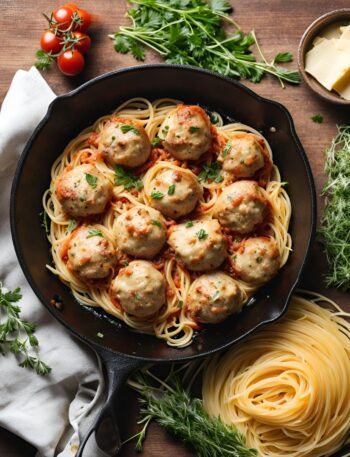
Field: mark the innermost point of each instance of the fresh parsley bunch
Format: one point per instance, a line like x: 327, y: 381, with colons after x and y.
x: 16, y: 334
x: 191, y: 32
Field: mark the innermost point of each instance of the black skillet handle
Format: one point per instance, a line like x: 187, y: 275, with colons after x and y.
x: 105, y: 428
x: 343, y: 452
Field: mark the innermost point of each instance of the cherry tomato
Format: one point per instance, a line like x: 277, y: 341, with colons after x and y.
x: 71, y: 62
x: 84, y: 43
x: 49, y: 42
x: 85, y: 19
x: 63, y: 16
x: 72, y: 6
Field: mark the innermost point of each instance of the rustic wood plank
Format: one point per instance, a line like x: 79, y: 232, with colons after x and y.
x: 279, y: 25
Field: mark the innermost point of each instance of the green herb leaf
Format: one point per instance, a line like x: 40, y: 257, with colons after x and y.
x: 318, y: 119
x: 211, y: 173
x: 129, y: 128
x: 189, y: 224
x: 71, y: 225
x: 94, y: 232
x: 156, y: 142
x: 202, y: 234
x: 44, y: 59
x: 156, y: 195
x: 157, y: 223
x: 222, y: 6
x: 171, y: 189
x: 17, y: 334
x: 193, y: 129
x: 179, y: 304
x: 91, y: 180
x: 138, y: 296
x: 283, y: 57
x: 127, y: 179
x: 121, y: 43
x: 227, y: 149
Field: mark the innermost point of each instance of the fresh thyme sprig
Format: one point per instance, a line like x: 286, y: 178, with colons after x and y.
x: 191, y: 32
x: 170, y: 405
x: 16, y: 334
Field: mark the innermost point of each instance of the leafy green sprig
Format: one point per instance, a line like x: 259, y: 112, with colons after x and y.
x: 335, y: 221
x: 16, y: 334
x: 127, y: 179
x: 171, y: 406
x: 191, y: 32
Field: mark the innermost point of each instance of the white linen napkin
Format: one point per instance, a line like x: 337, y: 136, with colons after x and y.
x: 49, y: 411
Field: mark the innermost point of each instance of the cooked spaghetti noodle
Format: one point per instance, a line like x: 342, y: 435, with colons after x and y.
x: 172, y: 322
x: 287, y: 387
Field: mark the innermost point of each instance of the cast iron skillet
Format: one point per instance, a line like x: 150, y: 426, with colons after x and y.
x: 121, y: 349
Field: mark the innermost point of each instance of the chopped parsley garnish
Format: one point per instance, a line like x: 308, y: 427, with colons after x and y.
x: 179, y: 303
x: 125, y: 263
x: 318, y: 119
x: 211, y: 173
x: 202, y: 234
x: 156, y: 195
x: 91, y: 180
x: 227, y: 148
x: 94, y: 232
x: 157, y: 223
x: 171, y: 189
x: 71, y: 225
x: 156, y: 142
x: 216, y: 295
x: 165, y: 130
x: 189, y: 224
x: 138, y: 296
x: 129, y: 128
x: 113, y: 138
x: 126, y: 179
x: 214, y: 117
x: 100, y: 335
x: 259, y: 259
x: 193, y: 129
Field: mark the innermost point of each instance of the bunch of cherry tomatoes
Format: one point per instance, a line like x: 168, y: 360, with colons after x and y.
x: 65, y: 40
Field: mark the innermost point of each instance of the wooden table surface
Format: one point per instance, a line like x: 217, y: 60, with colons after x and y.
x: 279, y: 25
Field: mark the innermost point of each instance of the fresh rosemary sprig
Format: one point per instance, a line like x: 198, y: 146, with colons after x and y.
x: 170, y: 405
x: 335, y: 222
x: 16, y: 334
x: 192, y: 32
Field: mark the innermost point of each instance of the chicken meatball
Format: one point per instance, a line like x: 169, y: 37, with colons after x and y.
x: 241, y: 207
x: 124, y: 142
x: 174, y: 193
x: 243, y: 155
x: 90, y: 255
x: 199, y: 244
x: 186, y: 132
x: 257, y: 260
x: 213, y: 297
x: 140, y: 232
x: 83, y: 191
x: 139, y: 288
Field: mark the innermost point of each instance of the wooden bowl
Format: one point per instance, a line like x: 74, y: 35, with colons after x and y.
x: 338, y: 16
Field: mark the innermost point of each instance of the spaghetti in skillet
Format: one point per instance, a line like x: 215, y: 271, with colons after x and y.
x: 166, y: 220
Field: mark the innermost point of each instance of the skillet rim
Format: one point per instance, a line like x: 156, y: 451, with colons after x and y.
x: 21, y: 163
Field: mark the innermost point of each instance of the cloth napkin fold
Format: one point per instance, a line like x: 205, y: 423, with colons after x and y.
x: 49, y: 412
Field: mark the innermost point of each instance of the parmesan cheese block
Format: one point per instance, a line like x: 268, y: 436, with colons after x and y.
x: 327, y: 63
